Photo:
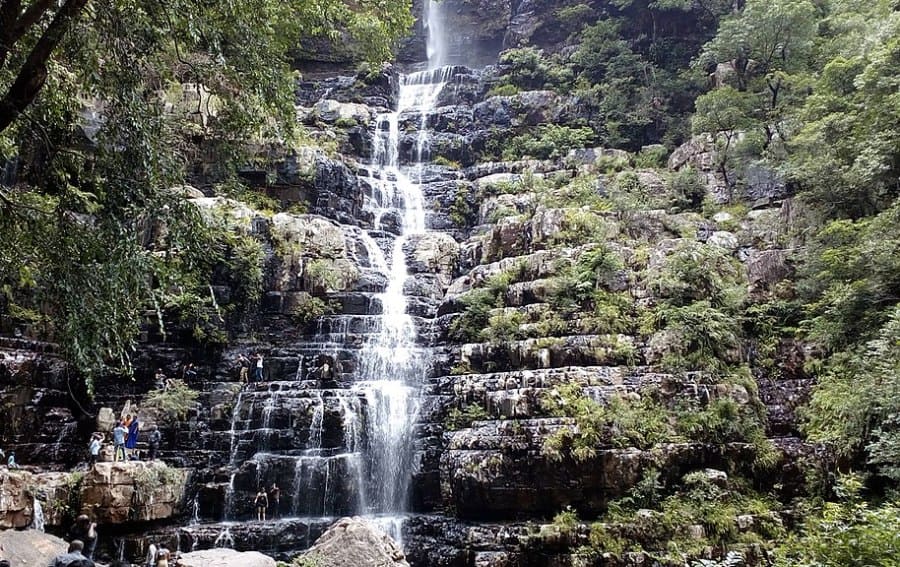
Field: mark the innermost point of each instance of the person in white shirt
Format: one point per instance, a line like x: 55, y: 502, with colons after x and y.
x: 94, y: 448
x: 258, y: 375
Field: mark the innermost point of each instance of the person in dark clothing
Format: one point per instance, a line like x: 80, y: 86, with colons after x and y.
x: 244, y: 365
x: 154, y: 439
x: 275, y: 499
x: 74, y: 558
x: 189, y: 371
x: 85, y: 531
x: 261, y: 502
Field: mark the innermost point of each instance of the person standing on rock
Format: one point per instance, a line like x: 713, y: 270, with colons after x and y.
x: 258, y: 375
x: 119, y: 434
x: 84, y: 531
x: 261, y: 503
x: 131, y: 441
x: 94, y: 448
x: 11, y: 463
x: 244, y: 364
x: 275, y: 499
x: 155, y: 439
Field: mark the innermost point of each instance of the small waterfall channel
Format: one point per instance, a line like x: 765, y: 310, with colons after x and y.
x: 337, y: 442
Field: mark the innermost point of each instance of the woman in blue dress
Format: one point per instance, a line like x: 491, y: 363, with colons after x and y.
x: 131, y: 440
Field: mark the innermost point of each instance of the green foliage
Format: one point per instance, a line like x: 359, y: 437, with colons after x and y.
x: 478, y: 303
x: 92, y: 237
x: 623, y: 422
x: 548, y: 141
x: 504, y: 326
x: 687, y: 189
x: 172, y: 403
x: 693, y: 272
x: 580, y: 287
x: 322, y: 275
x: 765, y: 42
x: 575, y: 17
x: 462, y: 210
x: 566, y: 521
x: 527, y: 68
x: 697, y: 501
x: 446, y: 162
x: 851, y: 533
x: 150, y: 480
x: 461, y: 418
x: 652, y: 157
x: 626, y: 95
x: 576, y: 192
x: 851, y: 274
x: 856, y: 403
x: 503, y: 90
x: 695, y: 336
x: 309, y: 308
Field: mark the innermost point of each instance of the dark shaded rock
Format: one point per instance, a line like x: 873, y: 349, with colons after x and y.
x: 43, y: 424
x: 375, y: 88
x: 338, y: 192
x: 764, y: 185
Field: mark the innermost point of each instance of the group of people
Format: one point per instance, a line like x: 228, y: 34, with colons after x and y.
x: 83, y: 541
x: 125, y: 440
x: 244, y: 363
x: 262, y: 501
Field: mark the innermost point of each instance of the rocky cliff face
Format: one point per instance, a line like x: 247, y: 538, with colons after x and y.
x: 539, y: 290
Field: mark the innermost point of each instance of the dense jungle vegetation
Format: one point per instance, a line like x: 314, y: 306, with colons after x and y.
x: 93, y: 237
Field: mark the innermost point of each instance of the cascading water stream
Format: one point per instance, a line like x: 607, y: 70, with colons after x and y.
x: 392, y: 364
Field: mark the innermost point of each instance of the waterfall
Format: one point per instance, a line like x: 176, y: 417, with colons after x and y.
x: 436, y: 41
x: 392, y: 365
x: 37, y: 519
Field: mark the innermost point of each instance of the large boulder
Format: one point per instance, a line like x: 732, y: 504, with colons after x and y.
x: 30, y: 548
x: 357, y: 542
x: 225, y: 558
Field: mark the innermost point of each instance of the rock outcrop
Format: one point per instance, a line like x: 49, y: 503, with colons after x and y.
x: 357, y: 542
x: 116, y: 493
x: 112, y: 493
x: 30, y: 548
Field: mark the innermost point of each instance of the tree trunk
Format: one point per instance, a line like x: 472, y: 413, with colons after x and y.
x: 31, y: 76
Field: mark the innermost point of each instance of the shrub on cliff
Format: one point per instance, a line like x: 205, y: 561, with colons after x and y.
x: 850, y: 532
x: 172, y: 403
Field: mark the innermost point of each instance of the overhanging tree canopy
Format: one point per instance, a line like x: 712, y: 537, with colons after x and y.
x: 85, y: 111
